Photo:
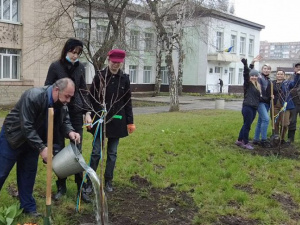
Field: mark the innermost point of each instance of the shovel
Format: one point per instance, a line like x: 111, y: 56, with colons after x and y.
x: 47, y: 218
x: 275, y: 138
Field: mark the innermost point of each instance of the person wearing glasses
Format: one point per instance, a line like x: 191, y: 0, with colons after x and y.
x: 69, y: 66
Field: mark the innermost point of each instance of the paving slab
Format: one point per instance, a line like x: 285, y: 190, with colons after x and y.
x: 185, y: 103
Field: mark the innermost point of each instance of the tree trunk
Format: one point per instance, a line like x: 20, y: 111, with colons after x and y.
x: 180, y: 66
x: 158, y: 66
x: 173, y: 90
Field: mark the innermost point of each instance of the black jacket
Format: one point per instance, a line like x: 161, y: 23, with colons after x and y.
x: 251, y: 94
x: 117, y: 101
x: 76, y: 72
x: 28, y: 119
x: 265, y: 92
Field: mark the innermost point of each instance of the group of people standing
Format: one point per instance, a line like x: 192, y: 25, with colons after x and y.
x: 23, y: 136
x: 259, y: 91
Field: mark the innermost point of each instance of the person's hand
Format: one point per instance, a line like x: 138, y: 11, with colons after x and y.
x: 74, y: 137
x: 256, y: 59
x: 130, y: 128
x: 244, y: 61
x: 88, y: 120
x: 44, y: 154
x: 298, y: 73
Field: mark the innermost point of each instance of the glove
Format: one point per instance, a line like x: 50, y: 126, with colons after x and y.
x: 130, y: 128
x: 244, y: 61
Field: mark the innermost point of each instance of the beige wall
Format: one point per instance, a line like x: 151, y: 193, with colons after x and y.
x: 39, y: 46
x: 10, y: 35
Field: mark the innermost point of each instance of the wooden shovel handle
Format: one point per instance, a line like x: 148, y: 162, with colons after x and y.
x: 49, y: 156
x: 272, y: 106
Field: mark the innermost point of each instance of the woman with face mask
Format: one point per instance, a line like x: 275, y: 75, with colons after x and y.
x: 69, y: 66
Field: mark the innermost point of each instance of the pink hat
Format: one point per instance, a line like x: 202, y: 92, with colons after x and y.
x: 116, y: 55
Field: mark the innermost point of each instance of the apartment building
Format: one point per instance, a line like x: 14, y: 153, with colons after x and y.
x: 283, y: 55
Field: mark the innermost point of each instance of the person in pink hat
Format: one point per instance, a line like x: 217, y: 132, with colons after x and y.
x: 110, y: 88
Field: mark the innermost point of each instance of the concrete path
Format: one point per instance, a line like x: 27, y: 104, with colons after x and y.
x: 186, y: 103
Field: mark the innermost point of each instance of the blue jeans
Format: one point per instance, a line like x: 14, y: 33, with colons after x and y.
x: 112, y: 147
x: 249, y: 114
x: 27, y: 161
x: 263, y: 122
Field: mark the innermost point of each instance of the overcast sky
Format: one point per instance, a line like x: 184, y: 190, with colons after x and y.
x: 280, y: 18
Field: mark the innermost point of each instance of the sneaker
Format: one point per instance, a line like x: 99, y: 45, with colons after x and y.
x: 239, y: 143
x: 33, y: 214
x: 248, y: 146
x: 284, y: 143
x: 256, y: 142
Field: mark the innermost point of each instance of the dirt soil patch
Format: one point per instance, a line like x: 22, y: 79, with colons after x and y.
x: 284, y: 151
x: 144, y: 204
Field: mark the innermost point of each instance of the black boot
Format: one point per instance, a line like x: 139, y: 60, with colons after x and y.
x: 84, y: 196
x: 61, y: 189
x: 88, y: 187
x: 291, y: 136
x: 108, y: 186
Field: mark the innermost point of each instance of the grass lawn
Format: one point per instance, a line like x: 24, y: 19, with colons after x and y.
x: 193, y: 152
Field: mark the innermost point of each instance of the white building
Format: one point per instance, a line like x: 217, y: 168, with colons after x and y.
x: 25, y: 58
x: 205, y: 42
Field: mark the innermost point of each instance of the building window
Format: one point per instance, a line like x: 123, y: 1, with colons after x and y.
x: 82, y: 31
x: 241, y: 78
x: 218, y: 69
x: 231, y: 76
x: 147, y: 74
x: 164, y: 75
x: 9, y: 64
x: 133, y: 73
x: 233, y: 43
x: 134, y: 39
x: 101, y: 32
x: 148, y: 41
x: 219, y: 44
x: 251, y: 47
x: 242, y: 45
x: 9, y: 10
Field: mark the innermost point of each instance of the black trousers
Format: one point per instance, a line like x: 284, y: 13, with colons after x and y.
x: 59, y: 139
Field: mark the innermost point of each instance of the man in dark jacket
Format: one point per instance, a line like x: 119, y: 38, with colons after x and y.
x: 110, y: 93
x: 221, y: 84
x: 295, y: 93
x: 24, y: 134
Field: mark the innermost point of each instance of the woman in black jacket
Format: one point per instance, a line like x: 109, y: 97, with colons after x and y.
x: 69, y: 66
x: 252, y: 94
